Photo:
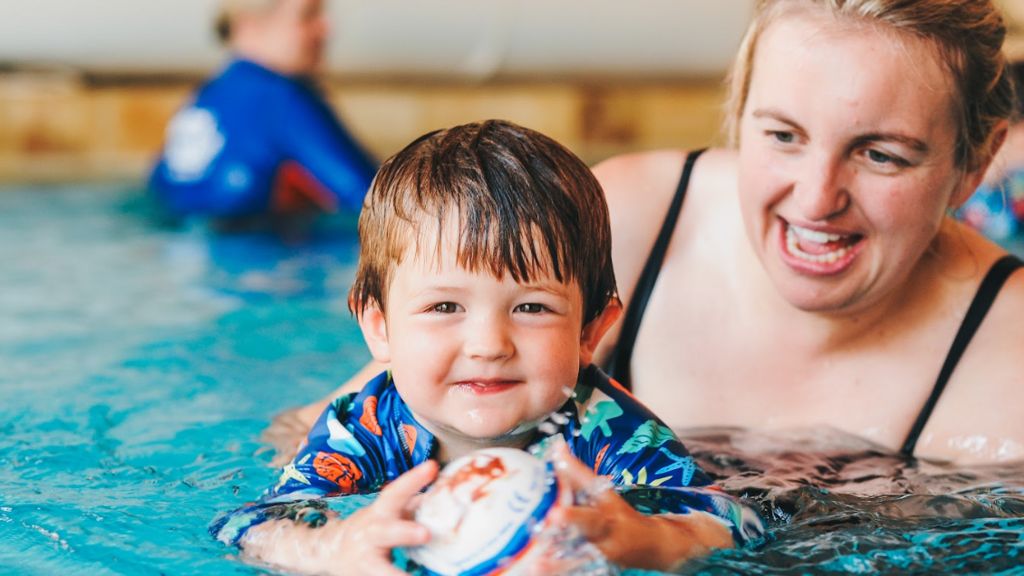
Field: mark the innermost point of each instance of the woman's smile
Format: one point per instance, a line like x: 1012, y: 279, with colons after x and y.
x: 818, y: 252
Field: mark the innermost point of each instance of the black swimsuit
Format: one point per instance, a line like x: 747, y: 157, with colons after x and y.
x: 618, y: 365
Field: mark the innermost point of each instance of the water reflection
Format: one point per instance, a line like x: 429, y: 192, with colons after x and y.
x: 839, y: 504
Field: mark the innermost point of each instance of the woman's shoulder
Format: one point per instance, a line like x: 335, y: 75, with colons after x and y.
x: 969, y: 258
x: 975, y: 420
x: 1001, y: 333
x: 989, y: 376
x: 656, y: 170
x: 630, y: 168
x: 639, y: 186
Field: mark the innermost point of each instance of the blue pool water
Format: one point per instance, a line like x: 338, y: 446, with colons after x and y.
x: 139, y: 363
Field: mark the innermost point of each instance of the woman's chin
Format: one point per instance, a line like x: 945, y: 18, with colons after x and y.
x: 812, y: 293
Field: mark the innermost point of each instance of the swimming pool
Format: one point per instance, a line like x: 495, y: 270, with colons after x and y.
x: 139, y: 363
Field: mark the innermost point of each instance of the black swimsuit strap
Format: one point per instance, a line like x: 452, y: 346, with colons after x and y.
x: 987, y: 292
x: 618, y: 365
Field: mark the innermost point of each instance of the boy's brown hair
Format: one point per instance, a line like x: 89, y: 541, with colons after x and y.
x: 522, y: 203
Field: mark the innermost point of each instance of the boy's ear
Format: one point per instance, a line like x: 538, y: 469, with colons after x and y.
x: 375, y: 331
x: 596, y: 329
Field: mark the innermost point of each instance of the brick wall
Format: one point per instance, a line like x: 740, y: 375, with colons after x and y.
x: 57, y: 126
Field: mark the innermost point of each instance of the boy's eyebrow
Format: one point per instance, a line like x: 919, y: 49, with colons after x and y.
x: 553, y: 287
x: 442, y: 288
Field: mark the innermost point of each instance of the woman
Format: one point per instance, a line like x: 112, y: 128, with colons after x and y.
x: 259, y: 139
x: 812, y: 276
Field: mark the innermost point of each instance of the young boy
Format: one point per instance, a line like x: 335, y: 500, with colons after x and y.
x: 485, y: 282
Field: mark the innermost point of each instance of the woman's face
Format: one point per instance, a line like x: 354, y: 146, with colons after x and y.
x: 847, y: 163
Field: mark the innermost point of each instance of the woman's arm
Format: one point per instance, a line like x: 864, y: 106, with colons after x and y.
x: 290, y: 426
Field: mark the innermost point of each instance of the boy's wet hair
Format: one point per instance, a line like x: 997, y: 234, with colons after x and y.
x: 522, y: 204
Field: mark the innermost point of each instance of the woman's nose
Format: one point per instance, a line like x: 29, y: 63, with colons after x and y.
x: 822, y: 193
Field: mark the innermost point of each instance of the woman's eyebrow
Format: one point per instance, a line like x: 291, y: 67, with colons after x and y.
x: 914, y: 143
x: 774, y: 114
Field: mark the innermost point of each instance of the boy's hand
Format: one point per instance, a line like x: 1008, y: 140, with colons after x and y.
x: 370, y: 534
x: 625, y: 536
x: 359, y: 544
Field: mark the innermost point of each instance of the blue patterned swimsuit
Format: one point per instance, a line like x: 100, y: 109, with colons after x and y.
x: 363, y: 441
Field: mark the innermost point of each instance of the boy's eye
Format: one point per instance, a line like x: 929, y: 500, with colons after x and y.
x: 445, y: 307
x: 531, y: 308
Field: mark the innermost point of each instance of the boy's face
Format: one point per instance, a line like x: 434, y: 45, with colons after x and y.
x: 480, y: 360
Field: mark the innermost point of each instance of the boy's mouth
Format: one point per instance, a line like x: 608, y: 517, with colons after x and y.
x: 486, y: 385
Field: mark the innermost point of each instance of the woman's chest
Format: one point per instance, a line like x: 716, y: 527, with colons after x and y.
x: 700, y: 361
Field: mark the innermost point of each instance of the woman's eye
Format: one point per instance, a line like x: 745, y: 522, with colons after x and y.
x: 444, y: 307
x: 883, y: 161
x: 881, y: 157
x: 782, y: 136
x: 531, y: 308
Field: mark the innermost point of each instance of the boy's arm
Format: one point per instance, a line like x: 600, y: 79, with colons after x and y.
x: 359, y: 544
x: 291, y: 526
x: 338, y: 457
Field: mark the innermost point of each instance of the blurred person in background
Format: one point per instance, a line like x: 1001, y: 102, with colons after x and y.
x: 258, y: 143
x: 997, y: 208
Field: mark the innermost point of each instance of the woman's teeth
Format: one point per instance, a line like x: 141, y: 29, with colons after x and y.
x: 800, y: 240
x: 814, y: 235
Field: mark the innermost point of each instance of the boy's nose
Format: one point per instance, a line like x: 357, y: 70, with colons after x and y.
x: 488, y: 339
x: 822, y: 192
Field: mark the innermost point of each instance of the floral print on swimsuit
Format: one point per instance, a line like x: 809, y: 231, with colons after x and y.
x: 363, y: 441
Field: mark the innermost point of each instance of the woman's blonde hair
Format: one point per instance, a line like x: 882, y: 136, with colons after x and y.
x: 968, y: 35
x: 230, y: 9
